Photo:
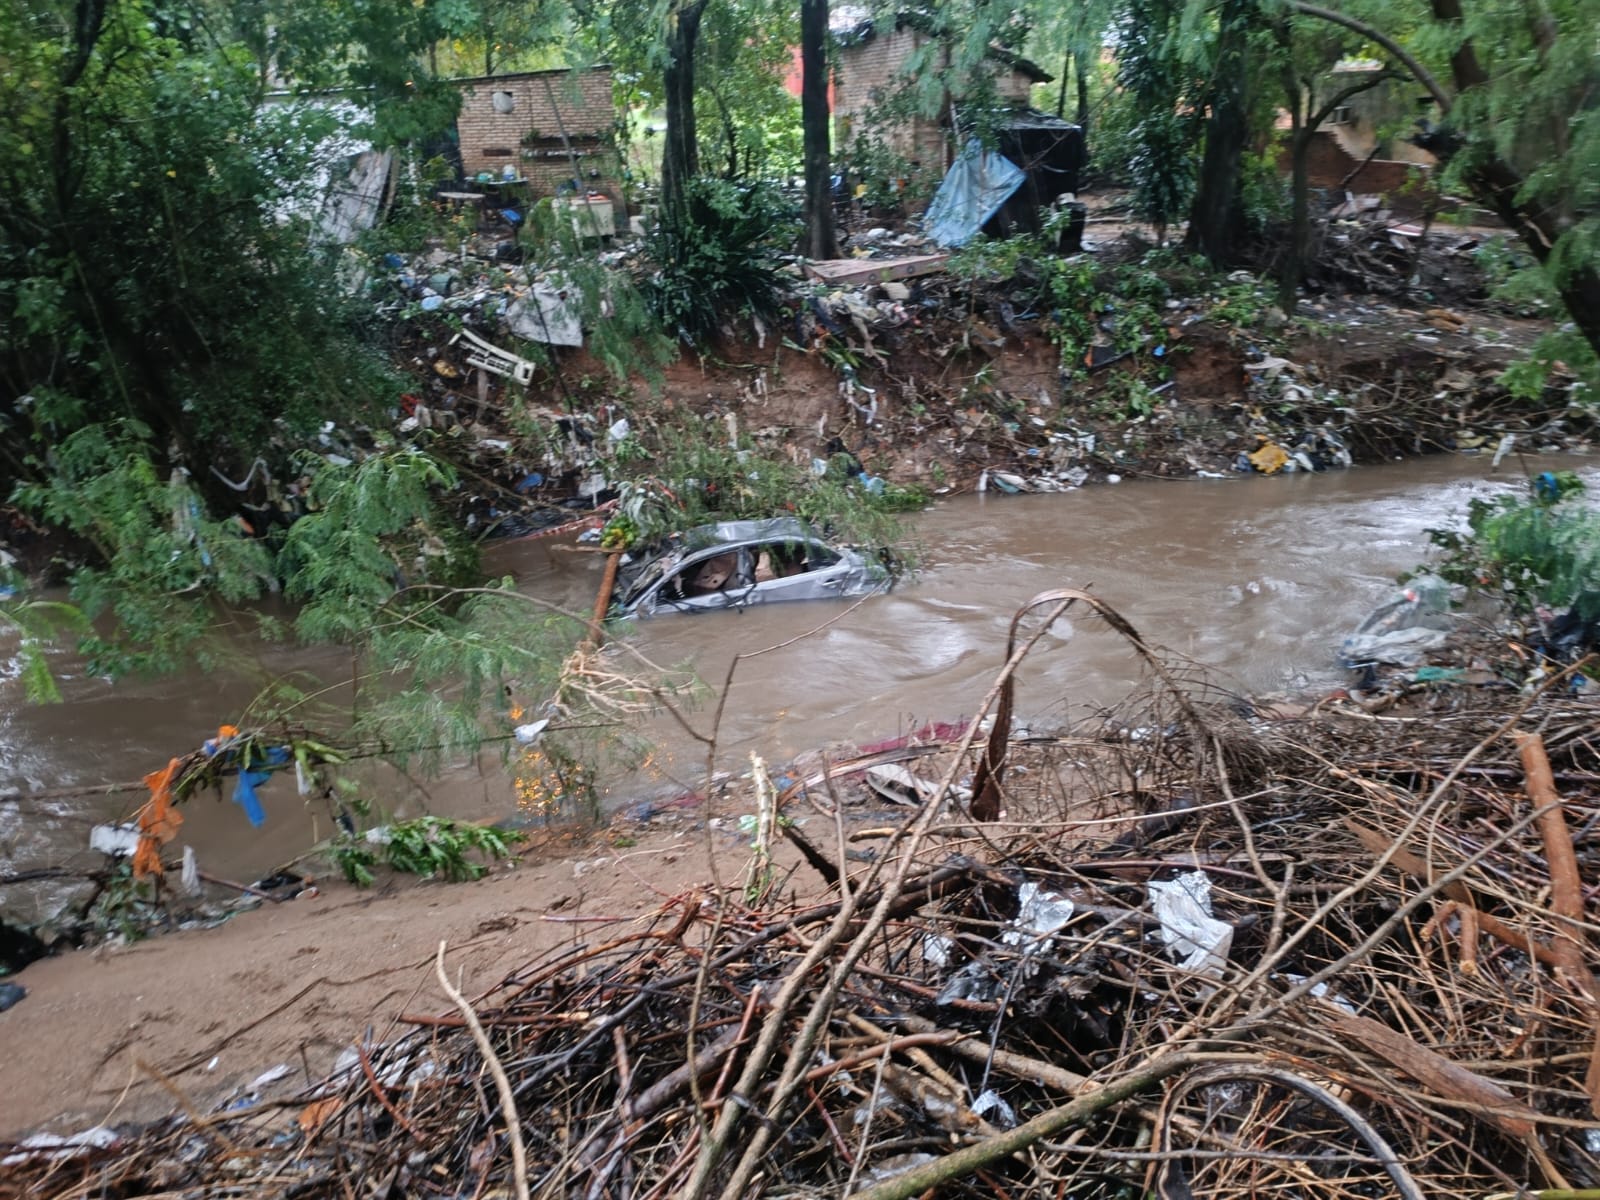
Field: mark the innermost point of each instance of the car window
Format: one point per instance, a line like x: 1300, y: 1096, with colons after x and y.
x: 718, y: 574
x: 782, y: 560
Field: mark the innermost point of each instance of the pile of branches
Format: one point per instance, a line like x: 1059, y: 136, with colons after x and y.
x: 1219, y: 956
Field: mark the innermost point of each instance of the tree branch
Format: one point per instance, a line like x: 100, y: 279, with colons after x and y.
x: 1347, y: 93
x: 1418, y: 71
x: 1053, y: 1121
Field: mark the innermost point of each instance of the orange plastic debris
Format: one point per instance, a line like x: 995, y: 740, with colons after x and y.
x: 315, y: 1115
x: 158, y: 820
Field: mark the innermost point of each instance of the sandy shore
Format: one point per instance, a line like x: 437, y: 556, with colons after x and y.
x: 132, y: 1033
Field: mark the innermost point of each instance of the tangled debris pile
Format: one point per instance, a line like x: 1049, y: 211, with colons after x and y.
x: 1217, y: 955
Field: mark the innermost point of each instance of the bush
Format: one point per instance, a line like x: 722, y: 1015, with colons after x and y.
x: 1538, y: 549
x: 432, y: 847
x: 711, y: 257
x: 696, y: 477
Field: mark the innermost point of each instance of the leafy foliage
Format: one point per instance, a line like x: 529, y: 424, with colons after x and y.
x: 621, y: 329
x: 1562, y: 352
x: 711, y: 259
x: 432, y: 847
x: 153, y: 263
x: 161, y: 559
x: 38, y: 624
x: 1162, y: 139
x: 1542, y: 548
x: 372, y: 529
x: 749, y: 124
x: 697, y: 477
x: 124, y: 907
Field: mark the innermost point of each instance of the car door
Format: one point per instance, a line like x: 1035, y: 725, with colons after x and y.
x: 716, y: 578
x: 798, y: 571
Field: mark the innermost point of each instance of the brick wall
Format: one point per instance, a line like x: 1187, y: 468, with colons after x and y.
x: 542, y: 105
x: 870, y: 70
x: 1328, y: 163
x: 1013, y: 86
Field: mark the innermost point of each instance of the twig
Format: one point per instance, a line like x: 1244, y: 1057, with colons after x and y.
x: 1405, y: 1185
x: 965, y: 1161
x: 382, y: 1096
x: 508, y: 1100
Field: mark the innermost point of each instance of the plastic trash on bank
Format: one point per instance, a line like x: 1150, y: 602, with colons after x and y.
x: 1040, y: 916
x: 1194, y: 938
x: 1401, y: 630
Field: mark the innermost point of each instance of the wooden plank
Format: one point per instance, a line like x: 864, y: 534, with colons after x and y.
x: 854, y: 271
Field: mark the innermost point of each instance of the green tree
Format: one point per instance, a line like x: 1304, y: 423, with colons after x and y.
x: 485, y: 37
x: 1216, y: 221
x: 1514, y: 126
x: 747, y: 123
x: 1151, y: 66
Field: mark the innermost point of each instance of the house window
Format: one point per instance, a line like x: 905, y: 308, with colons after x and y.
x: 1341, y: 115
x: 496, y: 152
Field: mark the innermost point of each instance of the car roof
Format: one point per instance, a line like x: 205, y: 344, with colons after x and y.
x: 732, y: 533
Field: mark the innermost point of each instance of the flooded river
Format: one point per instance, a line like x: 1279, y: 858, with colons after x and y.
x: 1257, y: 578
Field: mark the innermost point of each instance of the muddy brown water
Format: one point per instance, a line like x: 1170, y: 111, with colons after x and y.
x: 1257, y: 578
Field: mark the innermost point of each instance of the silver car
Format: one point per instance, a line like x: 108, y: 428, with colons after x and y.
x: 735, y: 563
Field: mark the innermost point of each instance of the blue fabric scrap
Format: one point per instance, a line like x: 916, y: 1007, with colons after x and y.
x: 250, y: 774
x: 244, y: 790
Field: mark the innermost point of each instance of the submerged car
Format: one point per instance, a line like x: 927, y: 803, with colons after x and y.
x: 736, y: 563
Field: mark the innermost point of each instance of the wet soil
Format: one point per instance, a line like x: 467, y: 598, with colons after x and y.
x: 131, y: 1033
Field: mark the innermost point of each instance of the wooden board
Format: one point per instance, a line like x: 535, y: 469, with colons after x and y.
x: 850, y: 272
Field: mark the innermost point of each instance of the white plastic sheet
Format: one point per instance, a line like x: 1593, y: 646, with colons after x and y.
x: 545, y: 313
x: 1193, y: 937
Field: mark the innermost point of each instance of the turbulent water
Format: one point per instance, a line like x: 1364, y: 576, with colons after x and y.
x: 1257, y: 578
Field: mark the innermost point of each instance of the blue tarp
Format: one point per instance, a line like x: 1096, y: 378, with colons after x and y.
x: 974, y: 188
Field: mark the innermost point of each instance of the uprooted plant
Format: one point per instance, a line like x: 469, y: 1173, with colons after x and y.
x: 431, y: 847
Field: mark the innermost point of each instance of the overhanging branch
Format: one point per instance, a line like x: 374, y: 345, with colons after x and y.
x: 1420, y: 72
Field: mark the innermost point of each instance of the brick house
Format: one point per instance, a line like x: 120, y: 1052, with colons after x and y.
x: 1363, y: 147
x: 537, y: 122
x: 871, y: 64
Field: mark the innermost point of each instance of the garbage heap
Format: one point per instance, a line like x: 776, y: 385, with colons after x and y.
x: 1205, y: 951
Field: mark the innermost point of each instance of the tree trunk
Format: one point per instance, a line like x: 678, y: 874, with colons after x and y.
x: 730, y: 133
x: 814, y: 124
x: 680, y: 159
x: 1498, y: 183
x: 1292, y: 270
x: 1214, y: 218
x: 1082, y: 74
x: 1293, y: 266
